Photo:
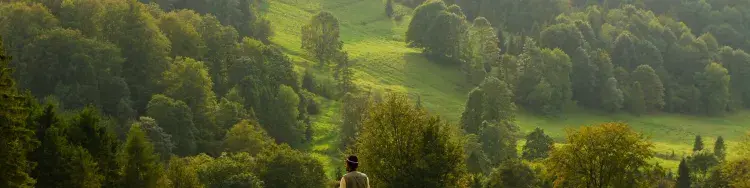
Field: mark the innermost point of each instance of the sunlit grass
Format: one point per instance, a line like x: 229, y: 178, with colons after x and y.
x: 383, y: 63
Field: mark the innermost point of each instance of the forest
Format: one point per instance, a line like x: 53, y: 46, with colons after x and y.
x: 427, y: 93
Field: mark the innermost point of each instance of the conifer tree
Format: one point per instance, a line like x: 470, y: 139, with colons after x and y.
x: 698, y: 145
x: 683, y: 175
x: 720, y: 148
x: 141, y: 167
x: 16, y: 139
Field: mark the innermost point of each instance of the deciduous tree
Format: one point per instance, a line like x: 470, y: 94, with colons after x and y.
x: 537, y: 145
x: 421, y: 150
x: 320, y: 37
x: 593, y: 159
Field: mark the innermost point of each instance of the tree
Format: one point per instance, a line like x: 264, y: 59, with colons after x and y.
x: 65, y: 164
x: 187, y: 80
x: 636, y: 99
x: 141, y: 167
x: 498, y: 142
x: 248, y: 137
x: 700, y: 164
x: 513, y: 173
x: 683, y: 175
x: 624, y: 52
x: 715, y: 89
x: 344, y: 74
x: 161, y: 140
x: 471, y: 118
x: 320, y: 37
x: 129, y: 26
x: 498, y: 103
x: 484, y: 51
x: 89, y: 130
x: 445, y: 38
x: 287, y: 129
x: 16, y: 137
x: 231, y: 111
x: 228, y: 170
x: 698, y: 144
x: 87, y: 74
x: 653, y: 89
x: 285, y: 167
x: 612, y: 97
x: 593, y: 159
x: 183, y: 35
x: 389, y: 8
x: 422, y: 149
x: 423, y: 18
x: 566, y: 37
x: 720, y: 148
x: 176, y: 119
x: 545, y: 84
x: 221, y: 48
x: 182, y: 174
x: 537, y: 145
x: 584, y: 78
x: 353, y: 113
x: 737, y: 63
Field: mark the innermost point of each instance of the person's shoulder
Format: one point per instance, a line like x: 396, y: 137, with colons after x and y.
x: 361, y: 174
x: 355, y: 174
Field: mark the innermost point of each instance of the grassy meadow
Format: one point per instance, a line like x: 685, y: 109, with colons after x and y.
x: 383, y: 62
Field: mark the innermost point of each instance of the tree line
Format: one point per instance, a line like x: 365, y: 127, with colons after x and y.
x: 608, y: 56
x: 150, y: 94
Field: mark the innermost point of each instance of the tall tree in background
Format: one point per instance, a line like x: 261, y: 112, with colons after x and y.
x: 537, y: 145
x: 471, y: 117
x: 422, y: 150
x: 446, y: 37
x: 248, y: 137
x: 612, y: 97
x: 129, y: 26
x: 423, y: 18
x: 593, y: 159
x: 652, y: 87
x: 141, y: 167
x: 737, y: 63
x: 16, y: 138
x: 344, y: 74
x: 87, y: 74
x: 187, y: 80
x: 353, y: 114
x: 683, y: 175
x: 715, y: 89
x: 720, y: 148
x: 183, y: 36
x: 287, y: 129
x: 162, y: 141
x: 484, y: 51
x: 176, y: 119
x: 89, y: 130
x: 544, y: 85
x: 513, y: 173
x: 320, y: 37
x: 637, y: 99
x: 698, y: 144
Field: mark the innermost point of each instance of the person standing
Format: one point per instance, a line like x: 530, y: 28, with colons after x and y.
x: 353, y: 178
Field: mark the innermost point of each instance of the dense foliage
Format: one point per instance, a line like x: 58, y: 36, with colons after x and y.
x: 194, y: 93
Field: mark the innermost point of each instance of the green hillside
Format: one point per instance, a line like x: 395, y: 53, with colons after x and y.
x: 383, y: 62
